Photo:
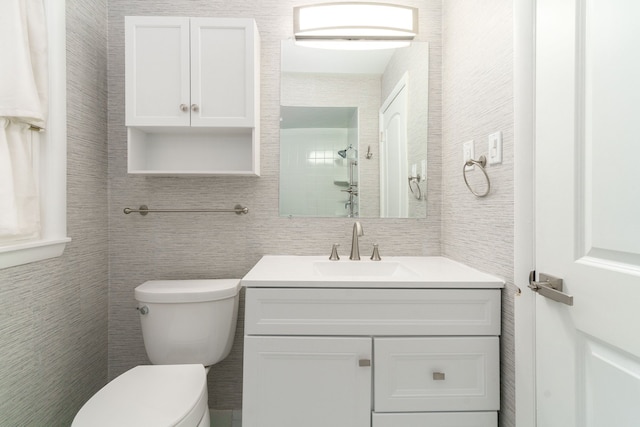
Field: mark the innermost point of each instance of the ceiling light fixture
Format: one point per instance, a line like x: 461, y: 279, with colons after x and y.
x: 355, y: 21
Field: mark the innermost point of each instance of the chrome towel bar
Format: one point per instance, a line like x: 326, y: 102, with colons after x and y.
x: 144, y: 210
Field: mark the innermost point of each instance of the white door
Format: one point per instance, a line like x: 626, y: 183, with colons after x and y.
x: 394, y: 202
x: 588, y: 212
x: 223, y: 58
x: 157, y: 71
x: 306, y: 381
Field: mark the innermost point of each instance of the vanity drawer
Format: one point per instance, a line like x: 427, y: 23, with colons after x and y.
x: 439, y: 419
x: 436, y: 374
x: 407, y: 312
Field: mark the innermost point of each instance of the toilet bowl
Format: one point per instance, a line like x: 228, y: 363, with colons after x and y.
x: 187, y: 325
x: 163, y: 395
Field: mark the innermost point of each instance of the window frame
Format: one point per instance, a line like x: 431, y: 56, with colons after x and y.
x: 52, y: 155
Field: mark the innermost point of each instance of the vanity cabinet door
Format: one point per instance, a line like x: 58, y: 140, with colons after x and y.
x: 157, y: 74
x: 306, y: 381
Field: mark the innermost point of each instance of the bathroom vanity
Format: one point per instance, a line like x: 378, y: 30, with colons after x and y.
x: 402, y: 342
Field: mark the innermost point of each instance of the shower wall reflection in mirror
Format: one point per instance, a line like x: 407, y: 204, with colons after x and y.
x: 353, y: 132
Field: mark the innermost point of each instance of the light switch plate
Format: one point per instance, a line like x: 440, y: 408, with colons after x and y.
x: 494, y: 149
x: 467, y: 153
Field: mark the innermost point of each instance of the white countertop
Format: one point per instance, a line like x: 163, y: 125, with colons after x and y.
x: 288, y: 271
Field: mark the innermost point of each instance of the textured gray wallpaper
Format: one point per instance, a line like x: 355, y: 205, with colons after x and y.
x: 53, y: 314
x: 173, y: 246
x: 477, y: 101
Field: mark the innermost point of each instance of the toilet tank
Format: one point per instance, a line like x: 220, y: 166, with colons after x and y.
x: 188, y: 321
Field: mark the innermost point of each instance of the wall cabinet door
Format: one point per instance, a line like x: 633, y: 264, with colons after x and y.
x: 306, y: 381
x: 223, y: 67
x: 157, y: 71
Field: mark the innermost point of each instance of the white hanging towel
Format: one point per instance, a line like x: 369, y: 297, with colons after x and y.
x: 23, y: 68
x: 23, y: 102
x: 19, y: 201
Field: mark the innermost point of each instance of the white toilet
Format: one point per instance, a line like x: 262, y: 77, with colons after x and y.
x: 187, y: 326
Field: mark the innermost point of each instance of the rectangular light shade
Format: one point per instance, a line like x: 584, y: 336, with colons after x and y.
x: 355, y: 21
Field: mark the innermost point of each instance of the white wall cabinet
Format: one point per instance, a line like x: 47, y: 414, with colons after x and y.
x: 371, y: 357
x: 192, y: 95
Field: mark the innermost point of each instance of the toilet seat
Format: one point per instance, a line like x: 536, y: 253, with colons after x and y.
x: 149, y: 395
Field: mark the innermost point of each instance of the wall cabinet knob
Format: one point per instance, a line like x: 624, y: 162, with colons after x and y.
x: 184, y: 107
x: 194, y: 107
x: 438, y: 376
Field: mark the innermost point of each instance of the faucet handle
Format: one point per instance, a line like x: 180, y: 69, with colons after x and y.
x: 334, y: 252
x: 375, y: 256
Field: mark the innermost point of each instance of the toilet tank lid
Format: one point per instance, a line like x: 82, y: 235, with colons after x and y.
x: 180, y: 291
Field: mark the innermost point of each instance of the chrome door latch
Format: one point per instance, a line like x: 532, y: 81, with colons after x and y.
x: 550, y: 287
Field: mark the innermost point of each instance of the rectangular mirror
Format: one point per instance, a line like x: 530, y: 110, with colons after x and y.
x: 353, y: 131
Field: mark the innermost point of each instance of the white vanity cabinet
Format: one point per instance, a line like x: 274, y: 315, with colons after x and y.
x: 362, y: 357
x: 192, y: 95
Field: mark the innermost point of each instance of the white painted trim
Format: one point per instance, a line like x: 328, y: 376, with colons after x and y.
x: 33, y: 251
x: 524, y: 203
x: 53, y: 154
x: 402, y: 83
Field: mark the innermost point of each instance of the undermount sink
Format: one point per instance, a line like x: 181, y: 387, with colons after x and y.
x: 381, y: 269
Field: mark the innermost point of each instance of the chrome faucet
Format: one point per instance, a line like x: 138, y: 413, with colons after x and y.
x: 355, y: 249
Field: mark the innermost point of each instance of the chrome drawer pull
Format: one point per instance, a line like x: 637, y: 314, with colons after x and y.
x: 438, y: 376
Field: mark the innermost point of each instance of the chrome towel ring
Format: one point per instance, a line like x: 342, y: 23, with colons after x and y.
x: 481, y: 163
x: 415, y: 179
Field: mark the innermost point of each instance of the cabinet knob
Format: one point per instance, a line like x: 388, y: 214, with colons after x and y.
x: 364, y: 362
x: 438, y: 376
x: 184, y: 107
x: 194, y: 107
